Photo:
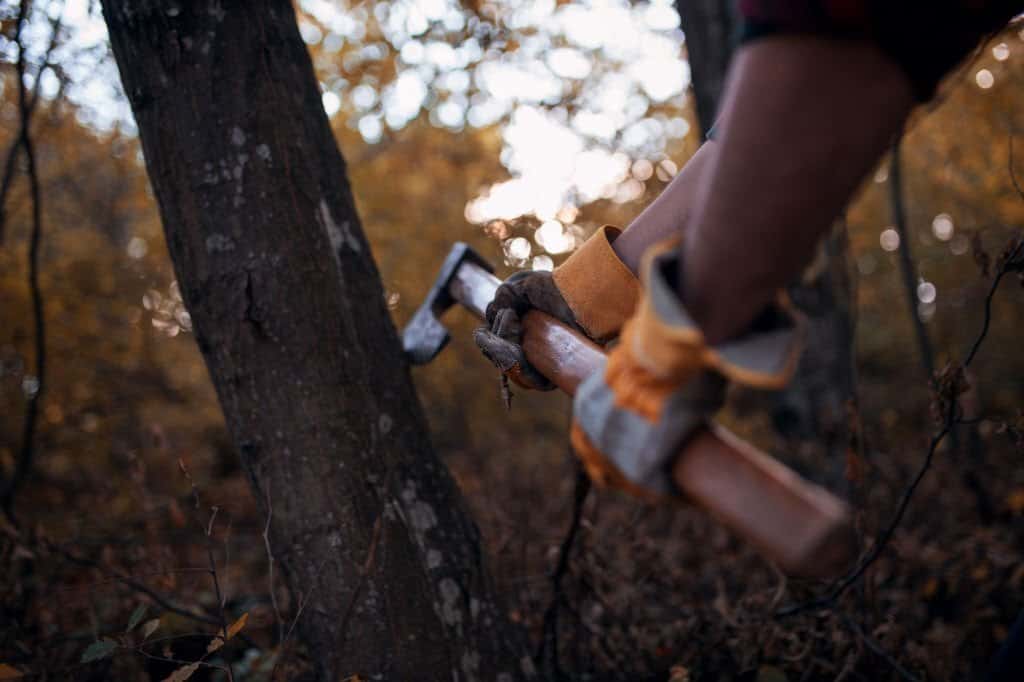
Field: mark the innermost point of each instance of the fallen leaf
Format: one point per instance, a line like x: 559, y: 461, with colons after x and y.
x: 98, y: 650
x: 137, y: 615
x: 216, y: 643
x: 182, y: 673
x: 237, y: 626
x: 219, y: 640
x: 150, y: 627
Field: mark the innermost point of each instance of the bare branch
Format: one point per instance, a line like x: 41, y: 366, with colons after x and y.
x: 26, y: 116
x: 547, y: 653
x: 1006, y: 264
x: 877, y: 649
x: 270, y: 571
x: 160, y: 600
x: 27, y: 451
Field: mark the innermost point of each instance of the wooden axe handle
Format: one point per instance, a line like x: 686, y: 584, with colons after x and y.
x: 800, y: 526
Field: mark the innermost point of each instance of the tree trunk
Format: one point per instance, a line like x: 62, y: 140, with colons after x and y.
x: 710, y: 27
x: 289, y: 313
x: 817, y: 408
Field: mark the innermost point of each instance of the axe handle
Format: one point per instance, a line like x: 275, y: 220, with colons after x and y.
x: 800, y: 526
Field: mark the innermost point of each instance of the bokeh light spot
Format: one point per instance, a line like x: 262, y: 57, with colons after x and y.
x: 543, y: 263
x: 942, y: 227
x: 331, y: 103
x: 926, y: 292
x: 889, y: 239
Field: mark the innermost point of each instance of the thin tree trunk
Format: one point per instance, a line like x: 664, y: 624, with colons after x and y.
x: 289, y: 314
x: 710, y: 27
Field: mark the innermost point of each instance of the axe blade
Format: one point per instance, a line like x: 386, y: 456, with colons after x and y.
x: 424, y: 336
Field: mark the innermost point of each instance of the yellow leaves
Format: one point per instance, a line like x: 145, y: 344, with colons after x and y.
x: 186, y: 671
x: 233, y: 629
x: 237, y: 626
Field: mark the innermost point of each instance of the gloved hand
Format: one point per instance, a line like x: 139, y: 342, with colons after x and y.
x: 592, y: 291
x: 662, y: 381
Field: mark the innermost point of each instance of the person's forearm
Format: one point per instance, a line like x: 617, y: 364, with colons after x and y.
x: 803, y: 121
x: 668, y: 214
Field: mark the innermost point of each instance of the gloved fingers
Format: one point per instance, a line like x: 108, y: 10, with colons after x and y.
x: 507, y: 297
x: 508, y: 325
x: 531, y: 289
x: 509, y: 357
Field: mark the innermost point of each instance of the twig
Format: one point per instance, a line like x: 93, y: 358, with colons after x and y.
x: 178, y: 661
x: 548, y: 651
x: 16, y: 144
x: 364, y: 571
x: 298, y: 615
x: 27, y: 452
x: 1007, y: 262
x: 208, y: 532
x: 160, y: 600
x: 877, y: 649
x: 1013, y: 174
x: 270, y: 571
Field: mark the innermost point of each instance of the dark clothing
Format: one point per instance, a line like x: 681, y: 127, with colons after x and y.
x: 927, y: 38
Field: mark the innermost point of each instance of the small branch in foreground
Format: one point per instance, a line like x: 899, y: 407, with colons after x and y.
x: 26, y: 118
x: 207, y: 529
x: 877, y: 649
x: 160, y: 600
x: 547, y: 655
x: 953, y: 384
x: 270, y: 569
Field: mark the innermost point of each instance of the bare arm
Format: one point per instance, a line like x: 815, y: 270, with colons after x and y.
x: 667, y: 215
x: 803, y: 120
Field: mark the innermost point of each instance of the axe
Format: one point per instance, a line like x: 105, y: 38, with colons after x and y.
x: 800, y: 526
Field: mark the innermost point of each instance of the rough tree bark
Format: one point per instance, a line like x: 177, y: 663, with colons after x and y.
x: 289, y: 313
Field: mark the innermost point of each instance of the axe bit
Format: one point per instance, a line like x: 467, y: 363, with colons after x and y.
x: 803, y: 528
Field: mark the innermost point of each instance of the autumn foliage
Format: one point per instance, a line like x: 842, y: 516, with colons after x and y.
x: 135, y: 550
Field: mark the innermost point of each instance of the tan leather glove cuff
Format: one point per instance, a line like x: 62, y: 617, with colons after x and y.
x: 666, y: 341
x: 601, y: 291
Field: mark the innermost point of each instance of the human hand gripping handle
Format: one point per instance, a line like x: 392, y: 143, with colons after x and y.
x: 663, y: 381
x: 799, y: 526
x: 593, y: 292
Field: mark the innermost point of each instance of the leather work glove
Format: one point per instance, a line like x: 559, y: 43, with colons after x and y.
x: 662, y: 381
x: 592, y: 291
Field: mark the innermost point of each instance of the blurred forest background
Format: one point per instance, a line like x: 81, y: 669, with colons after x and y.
x: 519, y: 127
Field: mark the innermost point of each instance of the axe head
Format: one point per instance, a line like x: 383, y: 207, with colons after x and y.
x: 425, y: 335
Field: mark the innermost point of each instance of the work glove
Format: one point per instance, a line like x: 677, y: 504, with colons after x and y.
x: 592, y: 291
x: 663, y: 381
